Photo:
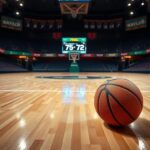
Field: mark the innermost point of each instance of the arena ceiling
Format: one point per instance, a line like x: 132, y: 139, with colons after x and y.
x: 51, y: 7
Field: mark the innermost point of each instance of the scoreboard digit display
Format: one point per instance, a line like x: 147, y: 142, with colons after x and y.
x: 74, y: 44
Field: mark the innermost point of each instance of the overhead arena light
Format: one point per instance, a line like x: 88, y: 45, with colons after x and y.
x: 17, y: 13
x: 21, y: 4
x: 129, y: 4
x: 142, y: 4
x: 131, y: 13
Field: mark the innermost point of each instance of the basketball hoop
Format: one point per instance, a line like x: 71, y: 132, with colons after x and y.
x: 74, y: 7
x: 74, y: 15
x: 74, y: 12
x: 74, y: 56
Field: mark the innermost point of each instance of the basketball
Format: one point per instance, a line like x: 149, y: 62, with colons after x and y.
x: 74, y: 74
x: 118, y: 102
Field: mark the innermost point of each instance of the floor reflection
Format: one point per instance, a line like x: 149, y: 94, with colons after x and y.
x: 52, y: 116
x: 138, y: 129
x: 22, y: 123
x: 141, y: 144
x: 67, y: 94
x: 79, y: 94
x: 22, y: 144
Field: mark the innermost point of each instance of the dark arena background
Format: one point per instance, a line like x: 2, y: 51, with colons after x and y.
x: 54, y: 54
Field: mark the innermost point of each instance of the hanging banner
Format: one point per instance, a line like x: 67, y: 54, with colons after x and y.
x: 87, y: 55
x: 39, y: 24
x: 142, y: 52
x: 36, y: 55
x: 12, y: 52
x: 91, y: 35
x: 48, y: 55
x: 2, y: 50
x: 148, y: 51
x: 99, y: 55
x: 137, y: 23
x: 112, y: 55
x: 124, y: 54
x: 11, y: 23
x: 108, y: 24
x: 61, y: 55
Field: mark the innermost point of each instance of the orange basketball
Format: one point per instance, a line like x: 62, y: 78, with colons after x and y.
x: 118, y: 102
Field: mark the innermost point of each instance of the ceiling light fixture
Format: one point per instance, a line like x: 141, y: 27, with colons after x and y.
x: 17, y: 13
x: 142, y: 4
x: 129, y: 4
x: 21, y: 4
x: 131, y: 13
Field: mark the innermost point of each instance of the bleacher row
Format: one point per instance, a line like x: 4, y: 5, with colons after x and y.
x: 8, y: 65
x: 141, y: 66
x: 54, y: 66
x: 84, y: 65
x: 104, y: 43
x: 103, y: 46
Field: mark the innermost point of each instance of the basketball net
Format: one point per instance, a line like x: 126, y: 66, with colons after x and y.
x: 74, y: 57
x: 74, y: 13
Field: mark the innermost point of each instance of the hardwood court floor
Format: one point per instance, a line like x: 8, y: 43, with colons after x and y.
x: 59, y: 114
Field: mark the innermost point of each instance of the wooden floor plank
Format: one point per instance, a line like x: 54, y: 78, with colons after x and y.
x: 44, y: 114
x: 76, y: 131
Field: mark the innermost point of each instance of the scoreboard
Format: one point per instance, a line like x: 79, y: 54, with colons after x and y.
x: 74, y: 44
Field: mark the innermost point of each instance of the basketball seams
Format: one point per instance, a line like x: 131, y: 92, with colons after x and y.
x: 98, y: 107
x: 107, y: 96
x: 124, y: 109
x: 107, y: 82
x: 127, y: 90
x: 109, y: 106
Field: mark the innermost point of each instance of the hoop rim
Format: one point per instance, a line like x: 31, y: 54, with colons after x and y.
x: 72, y: 53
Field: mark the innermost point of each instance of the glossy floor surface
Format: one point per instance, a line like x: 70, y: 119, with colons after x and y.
x: 58, y: 114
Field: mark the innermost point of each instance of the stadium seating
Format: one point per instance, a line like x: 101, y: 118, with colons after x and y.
x: 101, y: 66
x: 63, y: 66
x: 104, y: 43
x: 9, y: 66
x: 140, y: 66
x: 52, y: 66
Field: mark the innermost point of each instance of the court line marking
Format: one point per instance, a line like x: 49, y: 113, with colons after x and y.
x: 54, y: 91
x: 43, y: 91
x: 145, y: 91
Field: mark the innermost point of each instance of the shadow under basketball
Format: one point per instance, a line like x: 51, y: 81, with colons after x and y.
x: 138, y: 128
